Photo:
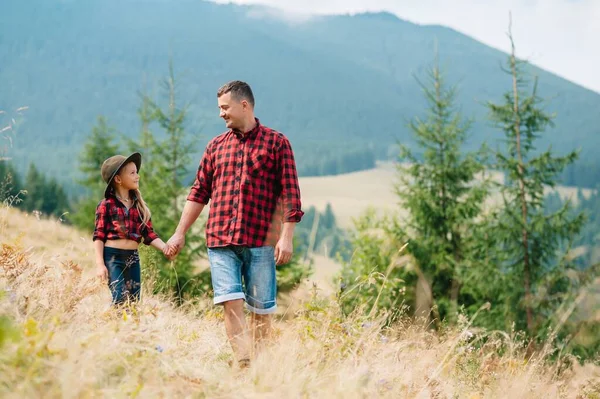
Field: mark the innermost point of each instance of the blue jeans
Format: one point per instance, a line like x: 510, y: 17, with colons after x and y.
x: 244, y: 273
x: 124, y: 279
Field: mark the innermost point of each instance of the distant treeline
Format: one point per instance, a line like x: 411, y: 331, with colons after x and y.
x: 37, y: 192
x: 588, y: 239
x: 328, y: 161
x: 584, y: 174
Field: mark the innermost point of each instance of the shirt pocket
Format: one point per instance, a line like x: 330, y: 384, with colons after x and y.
x: 260, y: 164
x: 117, y: 220
x: 118, y: 226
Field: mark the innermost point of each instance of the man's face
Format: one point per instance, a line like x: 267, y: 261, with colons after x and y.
x: 232, y: 111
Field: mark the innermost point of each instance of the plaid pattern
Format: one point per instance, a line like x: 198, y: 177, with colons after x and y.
x: 253, y: 184
x: 114, y: 222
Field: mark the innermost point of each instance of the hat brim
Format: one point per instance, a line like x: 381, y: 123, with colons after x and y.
x: 136, y: 158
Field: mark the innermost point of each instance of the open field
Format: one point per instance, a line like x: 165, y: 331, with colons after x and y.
x: 351, y: 194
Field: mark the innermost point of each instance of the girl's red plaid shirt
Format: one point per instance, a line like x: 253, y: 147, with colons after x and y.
x: 114, y: 221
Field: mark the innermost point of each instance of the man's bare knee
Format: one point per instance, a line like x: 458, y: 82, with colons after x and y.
x: 234, y: 305
x: 234, y: 311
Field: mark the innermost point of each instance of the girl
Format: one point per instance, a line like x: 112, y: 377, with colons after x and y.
x: 122, y: 222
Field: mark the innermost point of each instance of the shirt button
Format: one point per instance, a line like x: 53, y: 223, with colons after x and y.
x: 231, y: 232
x: 239, y: 164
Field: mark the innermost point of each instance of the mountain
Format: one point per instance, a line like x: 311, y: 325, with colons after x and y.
x: 334, y: 84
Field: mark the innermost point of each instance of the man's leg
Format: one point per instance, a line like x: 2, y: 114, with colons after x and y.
x: 237, y: 332
x: 261, y: 291
x: 261, y: 329
x: 225, y: 267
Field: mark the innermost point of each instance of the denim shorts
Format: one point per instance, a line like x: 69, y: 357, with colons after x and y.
x: 239, y: 272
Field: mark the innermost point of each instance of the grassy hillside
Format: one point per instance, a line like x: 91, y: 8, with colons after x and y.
x: 334, y: 84
x: 58, y: 338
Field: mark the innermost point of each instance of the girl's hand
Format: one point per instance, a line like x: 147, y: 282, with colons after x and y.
x: 169, y: 252
x: 102, y: 272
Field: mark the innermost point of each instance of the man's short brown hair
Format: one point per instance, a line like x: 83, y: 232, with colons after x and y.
x: 239, y: 90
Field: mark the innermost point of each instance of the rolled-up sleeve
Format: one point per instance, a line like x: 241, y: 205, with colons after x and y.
x: 202, y: 188
x: 290, y: 188
x: 148, y: 233
x: 100, y: 226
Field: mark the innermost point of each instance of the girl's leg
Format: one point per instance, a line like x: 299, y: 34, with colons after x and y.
x: 116, y: 280
x: 133, y: 277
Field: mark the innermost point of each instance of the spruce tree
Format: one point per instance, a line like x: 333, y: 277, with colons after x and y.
x: 165, y: 163
x: 34, y: 185
x: 528, y: 237
x: 99, y: 146
x: 443, y: 199
x: 10, y: 184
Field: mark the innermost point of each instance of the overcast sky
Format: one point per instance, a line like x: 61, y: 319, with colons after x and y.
x: 562, y: 36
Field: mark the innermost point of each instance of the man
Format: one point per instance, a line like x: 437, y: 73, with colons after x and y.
x: 249, y: 174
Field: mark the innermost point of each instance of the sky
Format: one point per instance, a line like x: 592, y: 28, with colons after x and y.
x: 561, y: 36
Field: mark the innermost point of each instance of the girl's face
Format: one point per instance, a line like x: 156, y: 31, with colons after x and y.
x: 128, y: 177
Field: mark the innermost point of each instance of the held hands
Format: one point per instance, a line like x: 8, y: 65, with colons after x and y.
x: 167, y: 250
x: 174, y: 246
x: 283, y: 250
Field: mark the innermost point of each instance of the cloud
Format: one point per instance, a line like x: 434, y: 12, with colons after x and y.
x: 559, y: 35
x: 291, y: 17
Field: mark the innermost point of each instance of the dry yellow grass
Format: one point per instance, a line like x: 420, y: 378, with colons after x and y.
x: 48, y: 238
x: 61, y: 339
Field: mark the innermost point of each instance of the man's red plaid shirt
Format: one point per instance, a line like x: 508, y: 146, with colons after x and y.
x: 252, y: 183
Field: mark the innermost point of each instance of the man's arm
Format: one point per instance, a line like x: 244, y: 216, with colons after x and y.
x: 191, y: 212
x: 292, y: 206
x: 198, y: 197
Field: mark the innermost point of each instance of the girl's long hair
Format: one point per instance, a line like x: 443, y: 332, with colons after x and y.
x: 140, y: 205
x: 142, y: 208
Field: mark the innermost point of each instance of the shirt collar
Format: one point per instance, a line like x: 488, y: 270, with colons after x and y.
x: 249, y: 134
x: 112, y: 194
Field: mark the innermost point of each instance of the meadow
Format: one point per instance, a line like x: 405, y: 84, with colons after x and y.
x: 60, y: 338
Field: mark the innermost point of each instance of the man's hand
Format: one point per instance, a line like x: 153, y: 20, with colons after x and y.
x: 102, y: 272
x: 174, y: 246
x: 168, y: 251
x: 284, y: 250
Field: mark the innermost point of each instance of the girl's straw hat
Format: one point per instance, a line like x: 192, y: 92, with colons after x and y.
x: 112, y: 166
